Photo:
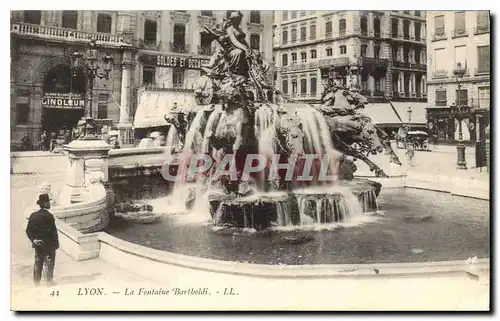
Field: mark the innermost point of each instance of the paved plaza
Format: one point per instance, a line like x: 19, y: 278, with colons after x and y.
x: 31, y: 169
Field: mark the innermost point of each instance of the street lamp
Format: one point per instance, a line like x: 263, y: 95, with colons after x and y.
x: 91, y: 69
x: 460, y: 112
x: 409, y: 117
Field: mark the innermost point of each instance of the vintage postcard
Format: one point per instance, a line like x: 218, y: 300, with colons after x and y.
x: 250, y: 160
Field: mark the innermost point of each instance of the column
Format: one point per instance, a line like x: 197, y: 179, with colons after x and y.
x: 125, y: 126
x: 87, y: 20
x: 401, y: 82
x: 370, y: 24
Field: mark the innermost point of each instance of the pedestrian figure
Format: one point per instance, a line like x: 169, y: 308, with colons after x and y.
x: 42, y: 232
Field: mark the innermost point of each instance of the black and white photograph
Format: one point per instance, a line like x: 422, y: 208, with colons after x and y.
x: 256, y: 160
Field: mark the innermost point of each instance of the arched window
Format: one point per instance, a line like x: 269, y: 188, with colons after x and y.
x: 179, y: 44
x: 303, y: 33
x: 284, y: 36
x: 364, y: 25
x: 255, y: 16
x: 294, y: 35
x: 313, y: 87
x: 342, y: 27
x: 328, y: 29
x: 376, y: 27
x: 312, y: 32
x: 303, y: 86
x: 303, y: 56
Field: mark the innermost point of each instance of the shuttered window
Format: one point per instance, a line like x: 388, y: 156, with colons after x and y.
x: 483, y: 59
x: 460, y: 21
x: 439, y: 25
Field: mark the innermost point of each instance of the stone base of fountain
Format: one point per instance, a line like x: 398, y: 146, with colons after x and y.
x: 304, y: 206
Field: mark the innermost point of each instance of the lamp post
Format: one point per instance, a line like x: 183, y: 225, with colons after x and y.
x: 409, y: 117
x: 460, y: 112
x: 89, y: 66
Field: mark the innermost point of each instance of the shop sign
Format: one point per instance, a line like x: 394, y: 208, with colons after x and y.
x: 63, y: 100
x: 173, y: 61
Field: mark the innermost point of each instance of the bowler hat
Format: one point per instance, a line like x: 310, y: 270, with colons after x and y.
x: 43, y: 198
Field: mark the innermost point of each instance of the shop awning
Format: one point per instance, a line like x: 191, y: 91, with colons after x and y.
x: 384, y: 114
x: 154, y: 104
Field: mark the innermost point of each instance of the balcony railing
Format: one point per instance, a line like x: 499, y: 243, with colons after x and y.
x: 179, y: 48
x: 482, y: 71
x: 48, y: 32
x: 478, y: 30
x: 204, y: 50
x: 364, y: 32
x: 439, y: 36
x: 150, y: 44
x: 337, y: 62
x: 459, y: 33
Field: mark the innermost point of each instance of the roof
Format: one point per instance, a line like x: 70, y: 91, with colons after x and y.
x: 384, y: 114
x: 153, y: 105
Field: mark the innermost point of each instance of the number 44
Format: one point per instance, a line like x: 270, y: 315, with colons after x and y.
x: 54, y: 293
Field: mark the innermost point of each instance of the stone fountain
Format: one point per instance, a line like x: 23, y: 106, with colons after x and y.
x: 253, y: 159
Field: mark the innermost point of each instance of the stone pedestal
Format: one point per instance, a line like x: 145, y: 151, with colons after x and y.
x: 80, y: 152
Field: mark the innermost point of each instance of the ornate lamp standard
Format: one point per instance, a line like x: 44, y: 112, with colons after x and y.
x: 460, y: 112
x: 91, y: 70
x: 409, y: 111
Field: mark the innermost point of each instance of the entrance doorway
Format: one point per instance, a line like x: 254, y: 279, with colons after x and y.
x: 63, y: 99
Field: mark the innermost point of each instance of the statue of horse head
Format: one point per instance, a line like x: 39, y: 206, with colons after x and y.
x: 290, y: 134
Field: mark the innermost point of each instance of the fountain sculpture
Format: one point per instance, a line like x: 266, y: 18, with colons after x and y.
x: 260, y: 160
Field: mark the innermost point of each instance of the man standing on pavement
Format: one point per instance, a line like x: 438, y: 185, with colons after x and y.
x: 42, y: 232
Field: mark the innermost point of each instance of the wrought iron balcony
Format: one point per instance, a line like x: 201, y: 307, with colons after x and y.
x: 478, y: 30
x: 204, y: 50
x: 179, y: 48
x: 149, y: 44
x: 459, y: 33
x: 56, y: 33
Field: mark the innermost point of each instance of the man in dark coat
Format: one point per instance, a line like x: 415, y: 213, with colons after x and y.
x: 42, y: 232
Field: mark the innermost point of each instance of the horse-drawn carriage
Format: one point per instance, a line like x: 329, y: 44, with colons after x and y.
x: 419, y: 140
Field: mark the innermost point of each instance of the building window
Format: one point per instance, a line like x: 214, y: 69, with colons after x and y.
x: 312, y: 32
x: 417, y: 13
x: 148, y: 76
x: 150, y: 28
x: 364, y: 49
x: 484, y: 97
x: 294, y: 87
x: 285, y: 15
x: 205, y: 44
x: 294, y: 58
x: 294, y: 14
x: 463, y: 98
x: 376, y: 51
x: 483, y: 20
x: 255, y: 16
x: 483, y: 59
x: 343, y: 50
x: 439, y: 26
x: 329, y: 51
x: 284, y: 36
x: 440, y: 63
x: 284, y: 60
x: 418, y: 27
x: 303, y: 86
x: 313, y: 87
x: 342, y: 27
x: 303, y: 56
x: 104, y: 23
x: 178, y: 78
x: 460, y: 23
x: 102, y: 106
x: 294, y: 35
x: 70, y: 19
x: 394, y: 27
x: 440, y: 97
x: 406, y: 12
x: 206, y: 13
x: 406, y: 53
x: 395, y: 53
x: 460, y: 55
x: 418, y: 52
x: 303, y: 33
x: 406, y: 29
x: 364, y: 26
x: 255, y: 42
x: 284, y: 86
x: 33, y: 16
x: 313, y: 54
x: 22, y: 114
x: 328, y: 29
x: 179, y: 44
x: 303, y: 13
x: 376, y: 27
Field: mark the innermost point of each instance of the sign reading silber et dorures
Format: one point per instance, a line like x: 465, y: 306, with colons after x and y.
x: 173, y: 61
x: 60, y: 100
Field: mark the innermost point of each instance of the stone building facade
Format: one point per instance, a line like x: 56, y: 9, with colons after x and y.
x: 152, y: 50
x: 384, y: 50
x: 458, y: 37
